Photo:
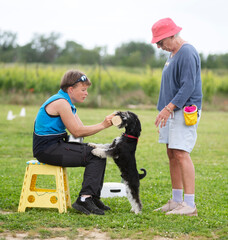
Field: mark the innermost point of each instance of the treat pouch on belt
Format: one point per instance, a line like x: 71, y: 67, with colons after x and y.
x: 190, y: 115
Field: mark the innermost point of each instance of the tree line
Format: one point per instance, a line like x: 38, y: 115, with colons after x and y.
x: 45, y: 49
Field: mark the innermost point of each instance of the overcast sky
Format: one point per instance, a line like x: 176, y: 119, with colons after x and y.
x: 113, y: 22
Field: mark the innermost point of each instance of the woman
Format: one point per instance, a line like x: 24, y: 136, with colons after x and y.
x: 50, y: 139
x: 180, y: 86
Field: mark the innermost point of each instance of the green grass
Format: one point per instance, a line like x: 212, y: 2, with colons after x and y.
x: 210, y: 158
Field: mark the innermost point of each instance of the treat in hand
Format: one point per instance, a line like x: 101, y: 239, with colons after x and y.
x: 116, y: 120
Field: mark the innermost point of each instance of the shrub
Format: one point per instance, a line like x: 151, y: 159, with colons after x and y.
x: 110, y: 82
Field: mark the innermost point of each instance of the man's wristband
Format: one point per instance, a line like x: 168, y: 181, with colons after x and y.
x: 168, y: 109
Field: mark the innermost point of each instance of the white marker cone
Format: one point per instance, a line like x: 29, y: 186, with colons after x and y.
x: 22, y: 113
x: 10, y: 115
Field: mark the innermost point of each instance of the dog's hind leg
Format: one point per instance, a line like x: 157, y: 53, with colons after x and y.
x: 133, y: 198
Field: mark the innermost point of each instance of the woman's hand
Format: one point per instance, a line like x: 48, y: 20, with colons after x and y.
x: 108, y: 121
x: 162, y: 118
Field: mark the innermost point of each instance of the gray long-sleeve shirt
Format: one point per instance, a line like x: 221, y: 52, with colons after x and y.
x: 181, y: 79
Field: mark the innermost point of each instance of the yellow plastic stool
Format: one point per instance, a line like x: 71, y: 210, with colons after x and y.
x: 44, y: 198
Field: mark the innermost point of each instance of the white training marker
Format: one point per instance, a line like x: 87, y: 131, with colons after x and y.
x: 23, y: 112
x: 116, y: 120
x: 10, y: 115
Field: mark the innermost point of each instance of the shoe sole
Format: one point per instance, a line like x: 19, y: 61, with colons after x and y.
x: 84, y: 210
x: 102, y: 207
x: 161, y: 210
x: 106, y: 209
x: 99, y: 213
x: 193, y: 214
x: 81, y: 209
x: 189, y: 214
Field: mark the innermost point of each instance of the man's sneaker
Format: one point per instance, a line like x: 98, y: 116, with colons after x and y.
x: 184, y: 209
x: 100, y: 204
x: 87, y: 207
x: 169, y: 206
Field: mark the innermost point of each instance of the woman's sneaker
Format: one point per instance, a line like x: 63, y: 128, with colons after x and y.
x: 184, y: 209
x: 87, y: 207
x: 100, y: 204
x: 169, y: 206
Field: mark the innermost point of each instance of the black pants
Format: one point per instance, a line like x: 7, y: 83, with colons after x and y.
x: 78, y: 155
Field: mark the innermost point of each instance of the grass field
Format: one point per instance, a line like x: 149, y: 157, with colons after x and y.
x: 210, y: 157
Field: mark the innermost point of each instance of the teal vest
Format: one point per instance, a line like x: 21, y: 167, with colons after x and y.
x: 46, y: 124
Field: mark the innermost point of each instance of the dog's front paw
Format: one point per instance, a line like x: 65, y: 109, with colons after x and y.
x: 93, y: 145
x: 99, y: 153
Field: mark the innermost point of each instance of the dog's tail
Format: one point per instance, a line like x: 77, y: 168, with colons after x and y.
x: 141, y: 176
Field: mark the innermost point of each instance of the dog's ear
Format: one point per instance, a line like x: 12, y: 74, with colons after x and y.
x: 126, y: 116
x: 135, y: 123
x: 123, y: 115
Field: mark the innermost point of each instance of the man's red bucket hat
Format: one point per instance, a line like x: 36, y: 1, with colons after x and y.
x: 164, y: 28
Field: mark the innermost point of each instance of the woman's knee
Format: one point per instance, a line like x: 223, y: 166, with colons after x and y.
x: 181, y: 155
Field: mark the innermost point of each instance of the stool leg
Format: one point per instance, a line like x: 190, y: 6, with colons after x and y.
x: 66, y: 188
x: 25, y: 188
x: 60, y: 190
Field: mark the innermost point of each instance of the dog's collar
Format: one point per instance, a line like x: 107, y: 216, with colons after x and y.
x: 130, y: 136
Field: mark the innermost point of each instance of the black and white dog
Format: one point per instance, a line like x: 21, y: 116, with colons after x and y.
x: 122, y: 150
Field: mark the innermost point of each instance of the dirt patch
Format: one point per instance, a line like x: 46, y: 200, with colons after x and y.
x: 83, y: 234
x: 4, y: 212
x: 94, y: 234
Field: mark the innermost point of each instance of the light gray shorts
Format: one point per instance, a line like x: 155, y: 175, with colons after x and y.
x: 178, y: 135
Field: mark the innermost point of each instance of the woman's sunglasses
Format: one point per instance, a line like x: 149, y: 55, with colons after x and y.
x: 160, y: 43
x: 83, y: 78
